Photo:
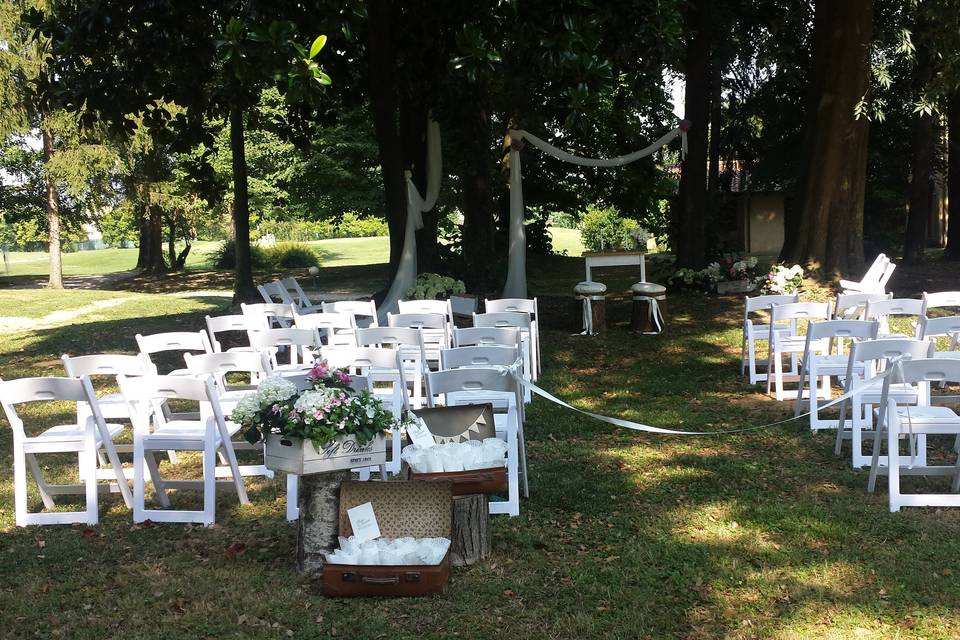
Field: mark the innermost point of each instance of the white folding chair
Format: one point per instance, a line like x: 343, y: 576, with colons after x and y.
x: 940, y: 300
x: 300, y: 344
x: 874, y: 280
x: 944, y: 327
x: 881, y: 310
x: 909, y: 422
x: 85, y: 438
x: 232, y: 324
x: 516, y: 319
x: 872, y: 357
x: 174, y: 341
x: 486, y: 356
x: 434, y: 327
x: 364, y: 312
x: 521, y: 305
x: 441, y: 307
x: 789, y: 343
x: 754, y: 332
x: 336, y: 328
x: 409, y: 345
x: 209, y: 435
x: 299, y: 296
x: 467, y: 382
x: 268, y: 315
x: 818, y: 363
x: 507, y: 336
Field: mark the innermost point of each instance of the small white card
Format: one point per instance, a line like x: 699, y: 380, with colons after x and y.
x: 420, y: 435
x: 363, y: 521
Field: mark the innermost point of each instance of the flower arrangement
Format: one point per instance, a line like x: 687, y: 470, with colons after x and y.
x: 327, y: 411
x: 783, y: 280
x: 640, y: 237
x: 432, y: 286
x: 730, y: 267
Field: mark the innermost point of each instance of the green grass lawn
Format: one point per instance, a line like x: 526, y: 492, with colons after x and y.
x: 625, y: 535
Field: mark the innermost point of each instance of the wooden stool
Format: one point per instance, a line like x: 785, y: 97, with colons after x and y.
x: 647, y: 314
x: 594, y: 306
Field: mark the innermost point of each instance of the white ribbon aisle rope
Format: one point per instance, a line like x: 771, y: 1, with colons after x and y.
x: 637, y: 426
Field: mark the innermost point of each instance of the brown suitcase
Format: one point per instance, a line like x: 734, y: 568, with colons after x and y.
x: 403, y: 509
x: 465, y: 483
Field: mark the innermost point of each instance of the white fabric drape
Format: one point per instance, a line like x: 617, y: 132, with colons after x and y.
x: 416, y: 206
x: 516, y: 284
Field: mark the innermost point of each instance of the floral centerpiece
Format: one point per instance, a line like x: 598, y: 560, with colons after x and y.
x: 731, y: 273
x: 783, y: 280
x: 433, y: 286
x: 327, y: 421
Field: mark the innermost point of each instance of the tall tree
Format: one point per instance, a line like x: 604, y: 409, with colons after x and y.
x: 827, y: 230
x: 953, y: 176
x: 924, y: 142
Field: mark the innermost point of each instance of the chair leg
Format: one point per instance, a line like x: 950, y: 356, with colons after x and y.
x: 293, y: 508
x: 91, y: 480
x: 209, y: 484
x: 770, y: 355
x: 158, y: 485
x: 893, y: 469
x: 778, y: 377
x: 118, y: 471
x: 235, y: 471
x: 522, y: 445
x: 892, y: 458
x: 513, y: 478
x: 138, y: 481
x: 798, y: 404
x: 20, y: 485
x: 38, y: 478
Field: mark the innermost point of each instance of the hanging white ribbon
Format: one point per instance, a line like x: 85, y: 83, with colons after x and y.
x: 416, y: 206
x: 516, y: 284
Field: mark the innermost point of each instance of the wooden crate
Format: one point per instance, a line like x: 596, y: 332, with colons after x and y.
x: 294, y: 455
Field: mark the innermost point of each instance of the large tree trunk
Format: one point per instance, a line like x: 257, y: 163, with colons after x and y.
x: 476, y: 174
x: 384, y: 109
x: 413, y: 134
x: 953, y: 177
x: 689, y: 223
x: 243, y: 288
x: 924, y: 130
x: 713, y: 179
x: 828, y: 230
x: 53, y: 217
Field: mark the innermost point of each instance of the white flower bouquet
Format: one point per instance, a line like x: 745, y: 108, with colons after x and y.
x: 783, y: 280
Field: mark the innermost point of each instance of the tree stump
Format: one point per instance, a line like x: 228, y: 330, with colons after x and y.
x: 598, y: 309
x: 470, y: 533
x: 319, y: 519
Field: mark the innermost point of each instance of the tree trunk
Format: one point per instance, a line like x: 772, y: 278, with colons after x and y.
x: 319, y: 519
x: 479, y: 227
x: 470, y: 530
x: 924, y: 130
x: 413, y: 134
x: 828, y: 230
x: 716, y: 91
x: 692, y: 204
x: 172, y: 241
x: 953, y: 177
x: 243, y: 288
x: 384, y: 109
x: 53, y: 217
x: 155, y: 263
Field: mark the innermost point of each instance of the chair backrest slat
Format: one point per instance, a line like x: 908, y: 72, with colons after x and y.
x: 471, y: 336
x: 853, y: 329
x: 502, y: 319
x: 107, y: 364
x: 357, y: 308
x: 479, y: 356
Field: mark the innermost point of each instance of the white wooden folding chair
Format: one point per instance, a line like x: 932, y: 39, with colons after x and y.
x: 442, y: 307
x: 754, y: 330
x: 233, y: 324
x: 409, y: 345
x: 874, y: 280
x: 521, y: 305
x: 507, y: 336
x: 268, y: 315
x: 364, y: 312
x: 468, y: 381
x: 789, y: 343
x: 486, y: 356
x: 941, y: 300
x: 209, y: 435
x: 907, y: 422
x: 435, y: 331
x: 85, y: 438
x: 300, y: 344
x: 872, y: 358
x: 174, y: 341
x: 518, y: 320
x: 945, y: 327
x: 299, y: 296
x: 818, y: 363
x: 881, y: 310
x: 334, y: 328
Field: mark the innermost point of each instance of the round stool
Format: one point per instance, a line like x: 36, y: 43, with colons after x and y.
x: 647, y: 314
x: 594, y: 306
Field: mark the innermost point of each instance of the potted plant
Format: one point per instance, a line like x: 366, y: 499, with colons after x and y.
x: 328, y: 427
x: 433, y: 286
x: 783, y: 280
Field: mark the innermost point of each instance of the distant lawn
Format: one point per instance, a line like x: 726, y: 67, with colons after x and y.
x: 37, y: 303
x: 567, y: 240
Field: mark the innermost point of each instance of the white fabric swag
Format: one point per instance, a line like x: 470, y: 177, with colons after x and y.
x: 516, y: 285
x: 416, y: 206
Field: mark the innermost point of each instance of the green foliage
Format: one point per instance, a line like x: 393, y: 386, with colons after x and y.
x: 284, y: 255
x: 562, y: 220
x: 118, y: 225
x: 603, y: 229
x: 349, y: 226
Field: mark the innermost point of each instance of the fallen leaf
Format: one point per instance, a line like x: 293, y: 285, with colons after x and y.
x: 236, y: 549
x: 508, y: 593
x: 88, y: 533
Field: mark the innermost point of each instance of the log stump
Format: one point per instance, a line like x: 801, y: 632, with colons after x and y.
x: 470, y: 532
x: 319, y: 520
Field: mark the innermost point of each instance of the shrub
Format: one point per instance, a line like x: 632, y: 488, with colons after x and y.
x: 290, y: 255
x: 562, y: 220
x: 430, y: 286
x: 353, y: 227
x: 605, y: 230
x: 224, y: 256
x: 350, y: 226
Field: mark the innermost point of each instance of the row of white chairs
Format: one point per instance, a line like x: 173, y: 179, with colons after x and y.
x: 144, y: 400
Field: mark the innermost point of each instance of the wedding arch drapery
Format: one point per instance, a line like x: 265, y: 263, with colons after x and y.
x: 416, y: 206
x: 516, y: 284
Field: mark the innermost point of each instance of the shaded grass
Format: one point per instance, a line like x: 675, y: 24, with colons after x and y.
x: 625, y: 535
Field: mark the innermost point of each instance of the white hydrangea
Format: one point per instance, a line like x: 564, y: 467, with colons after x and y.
x: 246, y: 410
x: 314, y: 400
x: 275, y: 389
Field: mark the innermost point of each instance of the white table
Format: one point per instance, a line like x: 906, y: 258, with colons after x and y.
x: 616, y: 259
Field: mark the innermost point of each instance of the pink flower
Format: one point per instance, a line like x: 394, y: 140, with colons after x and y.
x: 275, y: 408
x: 344, y: 378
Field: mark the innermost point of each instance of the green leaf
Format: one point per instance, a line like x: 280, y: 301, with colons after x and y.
x: 317, y: 46
x: 323, y: 78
